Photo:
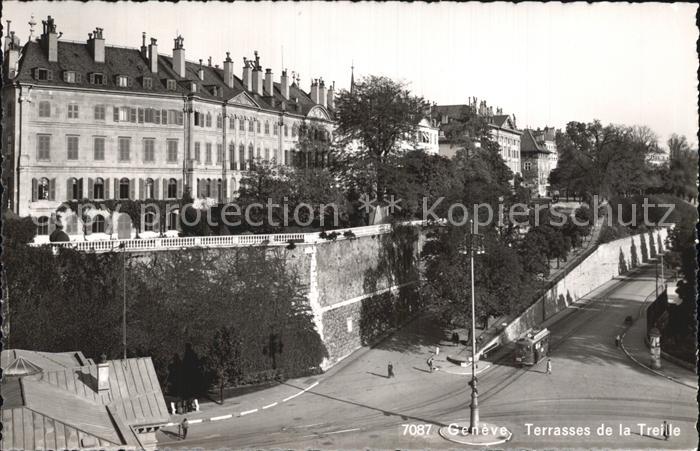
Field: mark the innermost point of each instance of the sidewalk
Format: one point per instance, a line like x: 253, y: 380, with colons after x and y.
x: 635, y: 348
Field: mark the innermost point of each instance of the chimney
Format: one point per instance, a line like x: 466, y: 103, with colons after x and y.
x: 322, y: 92
x: 228, y: 70
x: 153, y: 56
x: 12, y: 55
x: 284, y: 84
x: 49, y: 39
x: 257, y: 76
x: 200, y: 72
x: 179, y: 57
x: 268, y: 82
x: 210, y: 61
x: 96, y: 44
x: 330, y: 101
x: 144, y: 50
x: 102, y: 376
x: 246, y: 74
x: 314, y: 90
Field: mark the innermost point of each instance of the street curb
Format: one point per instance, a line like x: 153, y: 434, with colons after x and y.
x: 658, y: 373
x: 246, y: 412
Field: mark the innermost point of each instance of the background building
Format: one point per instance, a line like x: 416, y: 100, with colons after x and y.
x: 85, y: 120
x: 503, y: 130
x: 539, y: 157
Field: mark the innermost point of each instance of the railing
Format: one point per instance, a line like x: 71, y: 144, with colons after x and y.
x: 275, y: 239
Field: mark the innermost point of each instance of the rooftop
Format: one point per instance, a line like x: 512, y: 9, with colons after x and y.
x: 62, y: 407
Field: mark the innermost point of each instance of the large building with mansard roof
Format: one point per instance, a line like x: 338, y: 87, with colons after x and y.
x: 86, y: 120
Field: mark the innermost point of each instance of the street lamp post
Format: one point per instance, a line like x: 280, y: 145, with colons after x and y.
x: 474, y: 406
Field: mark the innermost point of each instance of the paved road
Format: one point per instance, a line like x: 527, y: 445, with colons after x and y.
x: 593, y: 383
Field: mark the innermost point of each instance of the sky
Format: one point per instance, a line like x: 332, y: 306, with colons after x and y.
x: 548, y: 64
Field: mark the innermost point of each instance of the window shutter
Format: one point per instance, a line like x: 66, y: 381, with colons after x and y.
x: 132, y: 188
x: 179, y: 189
x: 78, y: 77
x: 116, y: 114
x: 142, y: 189
x: 91, y: 186
x: 52, y: 189
x: 52, y: 223
x: 91, y: 78
x: 35, y: 189
x: 105, y: 189
x: 141, y: 115
x: 156, y: 221
x: 164, y: 117
x: 49, y: 75
x: 116, y: 188
x: 156, y: 116
x: 69, y: 188
x: 80, y: 188
x: 180, y: 118
x: 65, y: 75
x: 129, y: 82
x: 165, y: 188
x: 132, y: 114
x: 156, y: 185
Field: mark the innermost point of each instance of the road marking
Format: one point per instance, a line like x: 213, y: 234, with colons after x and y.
x: 269, y: 405
x: 195, y: 421
x: 340, y: 432
x: 301, y: 392
x: 222, y: 417
x: 249, y: 411
x: 309, y: 425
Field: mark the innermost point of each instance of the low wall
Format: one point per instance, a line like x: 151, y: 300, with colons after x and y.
x: 607, y: 261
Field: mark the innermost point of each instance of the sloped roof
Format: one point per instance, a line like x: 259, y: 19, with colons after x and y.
x: 59, y: 408
x: 528, y: 144
x: 75, y: 56
x: 47, y: 361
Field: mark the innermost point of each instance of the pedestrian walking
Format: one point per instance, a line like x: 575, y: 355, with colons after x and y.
x: 666, y: 430
x: 437, y: 350
x: 184, y: 426
x: 617, y: 340
x: 455, y: 338
x: 549, y: 366
x: 390, y: 370
x: 430, y: 363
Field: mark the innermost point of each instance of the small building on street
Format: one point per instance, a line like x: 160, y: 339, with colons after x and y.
x: 67, y: 401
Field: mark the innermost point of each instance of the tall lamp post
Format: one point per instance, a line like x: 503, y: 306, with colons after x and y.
x: 474, y: 243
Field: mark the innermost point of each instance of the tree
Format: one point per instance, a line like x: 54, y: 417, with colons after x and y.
x: 222, y: 357
x: 373, y: 119
x: 501, y: 284
x: 417, y: 175
x: 264, y: 183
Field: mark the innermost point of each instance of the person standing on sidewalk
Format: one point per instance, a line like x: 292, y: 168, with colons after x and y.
x: 184, y: 426
x: 430, y: 363
x: 390, y: 370
x: 617, y: 340
x: 549, y: 366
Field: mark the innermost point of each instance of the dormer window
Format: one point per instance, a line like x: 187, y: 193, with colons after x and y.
x: 148, y: 82
x: 171, y: 85
x: 42, y: 74
x: 97, y: 79
x: 193, y: 87
x: 123, y: 81
x: 70, y: 76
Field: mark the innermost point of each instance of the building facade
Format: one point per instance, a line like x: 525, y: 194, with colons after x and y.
x: 538, y: 159
x: 89, y: 121
x: 502, y: 128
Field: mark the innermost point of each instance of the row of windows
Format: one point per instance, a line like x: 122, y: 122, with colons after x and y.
x: 162, y: 116
x: 98, y: 148
x: 124, y: 151
x: 97, y: 224
x: 98, y: 188
x: 122, y: 81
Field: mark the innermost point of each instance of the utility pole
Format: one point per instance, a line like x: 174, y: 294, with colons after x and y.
x: 474, y: 406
